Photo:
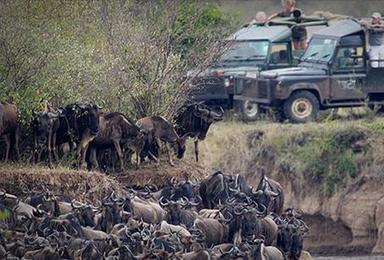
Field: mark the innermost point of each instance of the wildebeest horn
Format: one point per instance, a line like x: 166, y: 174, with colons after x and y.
x: 226, y: 220
x: 237, y: 213
x: 2, y: 193
x: 228, y: 252
x: 197, y: 203
x: 184, y: 201
x: 203, y: 110
x: 257, y: 192
x: 271, y: 193
x: 162, y: 203
x: 76, y: 204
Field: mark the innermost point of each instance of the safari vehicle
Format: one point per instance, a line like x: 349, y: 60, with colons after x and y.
x: 251, y: 50
x: 333, y: 72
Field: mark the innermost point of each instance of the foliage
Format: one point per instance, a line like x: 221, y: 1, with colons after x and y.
x: 130, y: 56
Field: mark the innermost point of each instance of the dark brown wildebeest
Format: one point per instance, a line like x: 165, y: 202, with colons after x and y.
x: 115, y: 129
x: 83, y: 119
x: 270, y: 194
x: 195, y: 121
x: 214, y: 189
x: 45, y: 126
x: 9, y: 128
x: 159, y: 129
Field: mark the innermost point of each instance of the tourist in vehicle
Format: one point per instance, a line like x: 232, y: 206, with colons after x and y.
x: 299, y: 33
x: 376, y: 39
x: 260, y: 19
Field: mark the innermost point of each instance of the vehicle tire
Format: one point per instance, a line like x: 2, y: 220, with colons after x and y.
x: 301, y: 107
x: 250, y: 111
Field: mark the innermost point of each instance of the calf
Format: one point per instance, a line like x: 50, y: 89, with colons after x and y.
x: 9, y: 128
x: 159, y: 129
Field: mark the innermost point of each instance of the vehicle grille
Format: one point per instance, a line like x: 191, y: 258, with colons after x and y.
x: 262, y: 89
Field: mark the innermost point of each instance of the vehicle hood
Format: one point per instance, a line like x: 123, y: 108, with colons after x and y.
x: 296, y: 71
x: 228, y: 71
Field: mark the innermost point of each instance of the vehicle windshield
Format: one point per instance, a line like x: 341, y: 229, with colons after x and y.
x: 320, y: 50
x: 245, y: 52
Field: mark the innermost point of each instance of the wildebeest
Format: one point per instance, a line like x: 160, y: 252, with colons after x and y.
x: 9, y: 128
x: 115, y: 129
x: 83, y: 119
x: 195, y: 121
x: 160, y: 130
x: 214, y: 190
x: 45, y: 126
x: 272, y: 195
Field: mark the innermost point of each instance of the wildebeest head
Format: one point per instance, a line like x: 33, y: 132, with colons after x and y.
x: 174, y: 209
x: 249, y: 223
x: 263, y: 197
x: 179, y: 146
x: 89, y: 115
x: 42, y: 123
x: 82, y: 116
x: 85, y: 213
x: 207, y: 114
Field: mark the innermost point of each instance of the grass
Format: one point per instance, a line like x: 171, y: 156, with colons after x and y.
x: 330, y: 155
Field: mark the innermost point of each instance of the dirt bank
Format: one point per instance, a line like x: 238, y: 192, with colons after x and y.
x: 331, y: 171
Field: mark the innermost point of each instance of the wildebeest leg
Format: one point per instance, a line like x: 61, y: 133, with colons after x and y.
x: 197, y: 150
x: 50, y: 147
x: 7, y: 139
x: 54, y: 147
x: 169, y: 153
x: 17, y: 136
x: 93, y: 159
x: 83, y: 147
x: 116, y: 143
x: 138, y: 159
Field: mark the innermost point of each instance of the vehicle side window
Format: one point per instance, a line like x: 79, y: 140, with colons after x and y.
x: 348, y: 58
x: 279, y: 54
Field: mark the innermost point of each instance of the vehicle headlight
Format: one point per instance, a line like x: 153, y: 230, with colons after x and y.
x: 227, y: 83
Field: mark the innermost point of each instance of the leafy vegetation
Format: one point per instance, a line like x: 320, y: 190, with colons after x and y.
x: 131, y: 56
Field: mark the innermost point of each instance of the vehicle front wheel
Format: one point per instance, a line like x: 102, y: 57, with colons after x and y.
x: 301, y: 107
x: 250, y: 110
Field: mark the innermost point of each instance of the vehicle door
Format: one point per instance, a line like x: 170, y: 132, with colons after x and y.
x: 280, y: 56
x: 348, y: 74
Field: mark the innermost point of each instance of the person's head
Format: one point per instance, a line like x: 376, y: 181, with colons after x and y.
x: 261, y: 17
x: 288, y: 4
x: 376, y: 18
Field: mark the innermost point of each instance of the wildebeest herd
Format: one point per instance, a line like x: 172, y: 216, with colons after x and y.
x: 96, y: 134
x: 221, y: 217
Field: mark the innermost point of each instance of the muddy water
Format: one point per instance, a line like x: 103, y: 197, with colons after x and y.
x: 350, y: 258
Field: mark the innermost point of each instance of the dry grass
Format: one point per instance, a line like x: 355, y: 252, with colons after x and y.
x: 83, y: 186
x: 324, y: 152
x: 163, y: 173
x: 91, y: 186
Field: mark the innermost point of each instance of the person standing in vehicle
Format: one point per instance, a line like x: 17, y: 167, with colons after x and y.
x: 376, y: 40
x: 260, y: 19
x: 299, y: 33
